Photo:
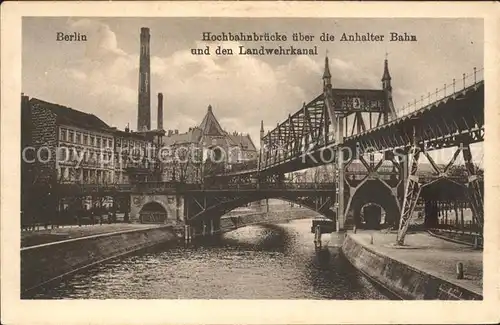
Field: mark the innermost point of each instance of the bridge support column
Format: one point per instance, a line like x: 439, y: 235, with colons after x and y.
x: 204, y: 229
x: 212, y: 227
x: 411, y: 194
x: 474, y: 190
x: 187, y: 234
x: 340, y: 176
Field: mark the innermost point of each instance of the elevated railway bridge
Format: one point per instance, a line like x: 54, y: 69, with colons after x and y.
x: 336, y: 128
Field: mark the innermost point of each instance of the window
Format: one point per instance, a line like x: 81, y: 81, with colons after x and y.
x: 63, y: 135
x: 78, y: 138
x: 85, y: 139
x: 71, y: 136
x: 92, y: 140
x: 99, y: 142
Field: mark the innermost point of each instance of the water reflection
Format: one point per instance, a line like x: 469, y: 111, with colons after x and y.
x: 255, y: 262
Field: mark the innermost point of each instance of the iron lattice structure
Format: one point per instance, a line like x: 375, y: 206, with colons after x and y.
x: 343, y: 125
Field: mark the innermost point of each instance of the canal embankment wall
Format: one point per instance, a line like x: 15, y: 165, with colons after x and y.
x: 44, y: 263
x: 401, y: 279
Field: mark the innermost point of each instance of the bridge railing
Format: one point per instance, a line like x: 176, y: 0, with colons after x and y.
x: 267, y: 186
x: 95, y: 188
x: 448, y: 90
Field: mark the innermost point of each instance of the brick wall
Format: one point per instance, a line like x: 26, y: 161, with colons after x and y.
x: 44, y: 135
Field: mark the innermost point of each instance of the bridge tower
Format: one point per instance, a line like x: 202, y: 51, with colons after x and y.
x: 390, y: 112
x: 352, y: 113
x: 336, y: 121
x: 261, y: 133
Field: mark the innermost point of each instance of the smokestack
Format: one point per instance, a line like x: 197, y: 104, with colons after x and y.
x: 160, y: 111
x: 144, y: 104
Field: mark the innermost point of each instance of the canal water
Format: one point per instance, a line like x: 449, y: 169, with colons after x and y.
x: 275, y: 261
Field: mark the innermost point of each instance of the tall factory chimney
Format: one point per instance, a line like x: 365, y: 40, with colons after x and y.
x: 144, y: 104
x: 160, y: 111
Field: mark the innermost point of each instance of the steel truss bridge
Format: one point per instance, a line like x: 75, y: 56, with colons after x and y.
x: 341, y: 126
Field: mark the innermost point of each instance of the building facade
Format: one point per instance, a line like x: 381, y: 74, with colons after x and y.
x: 193, y: 153
x: 70, y: 146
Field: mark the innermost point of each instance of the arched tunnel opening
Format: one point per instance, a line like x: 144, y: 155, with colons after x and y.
x: 153, y: 212
x: 372, y: 216
x: 373, y: 206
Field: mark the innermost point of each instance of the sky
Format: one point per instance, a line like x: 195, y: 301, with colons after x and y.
x: 100, y: 76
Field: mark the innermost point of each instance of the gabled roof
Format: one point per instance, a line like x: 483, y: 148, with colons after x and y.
x: 69, y: 116
x: 243, y: 140
x: 209, y: 125
x: 192, y: 136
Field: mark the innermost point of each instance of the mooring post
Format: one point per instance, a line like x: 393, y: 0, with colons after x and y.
x: 476, y: 242
x: 460, y: 271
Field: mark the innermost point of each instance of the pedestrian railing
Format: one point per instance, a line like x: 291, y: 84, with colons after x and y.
x: 450, y: 89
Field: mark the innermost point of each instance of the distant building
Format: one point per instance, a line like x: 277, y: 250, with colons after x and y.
x: 136, y: 156
x: 61, y: 136
x: 208, y: 141
x: 80, y: 148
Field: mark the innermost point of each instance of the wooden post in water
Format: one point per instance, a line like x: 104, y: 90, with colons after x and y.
x: 317, y: 237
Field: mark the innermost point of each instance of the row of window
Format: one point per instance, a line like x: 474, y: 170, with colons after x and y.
x: 67, y: 174
x: 123, y: 143
x: 85, y: 139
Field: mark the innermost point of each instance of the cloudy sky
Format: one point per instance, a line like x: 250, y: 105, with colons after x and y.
x: 100, y: 76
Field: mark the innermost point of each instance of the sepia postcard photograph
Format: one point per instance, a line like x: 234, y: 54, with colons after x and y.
x: 246, y: 165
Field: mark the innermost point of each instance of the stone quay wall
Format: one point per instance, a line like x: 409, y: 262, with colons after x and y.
x: 402, y: 280
x: 47, y: 262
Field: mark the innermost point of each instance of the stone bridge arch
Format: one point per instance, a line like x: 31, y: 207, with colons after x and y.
x: 153, y: 212
x: 173, y: 205
x: 377, y: 193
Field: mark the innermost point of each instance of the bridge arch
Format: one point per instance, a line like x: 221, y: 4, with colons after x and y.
x: 153, y: 212
x: 373, y: 215
x: 373, y: 193
x: 222, y: 208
